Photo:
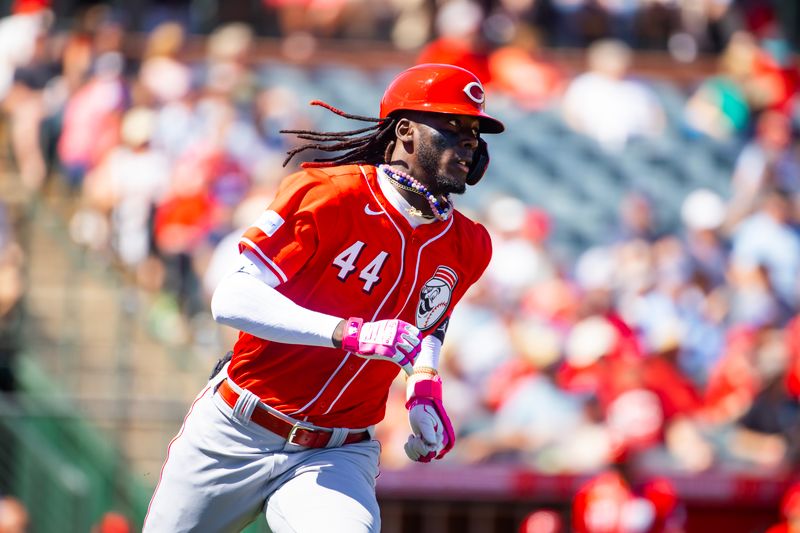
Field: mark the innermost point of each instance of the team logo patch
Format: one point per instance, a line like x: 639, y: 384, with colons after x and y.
x: 474, y: 91
x: 269, y: 222
x: 434, y: 298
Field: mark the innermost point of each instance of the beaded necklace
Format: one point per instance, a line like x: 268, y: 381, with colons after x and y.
x: 442, y: 208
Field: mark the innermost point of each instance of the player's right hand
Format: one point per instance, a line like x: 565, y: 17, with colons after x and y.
x: 388, y: 340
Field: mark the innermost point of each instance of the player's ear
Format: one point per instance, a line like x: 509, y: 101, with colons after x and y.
x: 404, y: 130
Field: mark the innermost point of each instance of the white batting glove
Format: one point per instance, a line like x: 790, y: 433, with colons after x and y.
x: 388, y: 340
x: 427, y: 437
x: 432, y: 432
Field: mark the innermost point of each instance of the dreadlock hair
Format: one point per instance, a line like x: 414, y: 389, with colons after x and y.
x: 363, y: 146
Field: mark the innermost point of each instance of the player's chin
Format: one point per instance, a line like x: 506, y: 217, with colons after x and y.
x: 453, y: 188
x: 451, y: 183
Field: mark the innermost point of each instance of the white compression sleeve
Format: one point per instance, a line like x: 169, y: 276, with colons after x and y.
x: 247, y: 301
x: 429, y: 353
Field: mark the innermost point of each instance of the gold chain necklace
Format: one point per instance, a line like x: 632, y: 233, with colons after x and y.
x: 413, y: 211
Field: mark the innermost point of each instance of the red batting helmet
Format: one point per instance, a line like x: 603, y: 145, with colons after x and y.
x: 439, y: 88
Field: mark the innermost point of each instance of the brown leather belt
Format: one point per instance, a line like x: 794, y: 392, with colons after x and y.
x: 294, y: 434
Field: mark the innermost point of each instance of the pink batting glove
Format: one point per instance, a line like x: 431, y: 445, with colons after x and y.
x: 388, y: 340
x: 433, y: 435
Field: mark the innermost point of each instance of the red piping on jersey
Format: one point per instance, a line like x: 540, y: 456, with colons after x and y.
x: 408, y: 296
x: 266, y: 260
x: 325, y: 386
x: 419, y: 254
x: 377, y: 311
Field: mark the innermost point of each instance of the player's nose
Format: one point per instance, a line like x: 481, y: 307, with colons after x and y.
x: 470, y: 142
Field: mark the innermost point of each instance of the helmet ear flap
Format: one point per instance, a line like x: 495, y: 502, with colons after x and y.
x: 480, y: 162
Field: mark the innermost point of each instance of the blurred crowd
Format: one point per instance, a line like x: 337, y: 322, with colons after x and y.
x: 677, y: 348
x: 612, y: 502
x: 408, y: 24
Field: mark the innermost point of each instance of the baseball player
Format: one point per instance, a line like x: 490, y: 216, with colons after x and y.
x: 350, y: 275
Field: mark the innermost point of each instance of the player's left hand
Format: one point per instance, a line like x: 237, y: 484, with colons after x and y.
x: 427, y: 437
x: 432, y: 432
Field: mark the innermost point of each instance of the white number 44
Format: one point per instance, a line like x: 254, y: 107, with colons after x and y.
x: 370, y: 274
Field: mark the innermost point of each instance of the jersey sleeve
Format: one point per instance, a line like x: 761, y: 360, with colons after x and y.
x: 286, y: 235
x: 483, y: 252
x: 480, y: 247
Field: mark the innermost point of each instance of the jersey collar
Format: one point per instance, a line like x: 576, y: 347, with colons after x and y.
x: 400, y: 204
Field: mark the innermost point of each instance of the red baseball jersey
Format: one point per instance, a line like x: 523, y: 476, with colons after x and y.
x: 339, y: 247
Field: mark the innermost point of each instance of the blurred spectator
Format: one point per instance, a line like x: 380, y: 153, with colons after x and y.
x: 621, y: 17
x: 519, y: 258
x: 707, y: 26
x: 748, y: 417
x: 658, y: 24
x: 229, y: 73
x: 613, y: 503
x: 25, y: 104
x: 112, y: 522
x: 92, y: 118
x: 790, y: 511
x: 542, y: 521
x: 776, y: 76
x: 477, y: 341
x: 159, y: 12
x: 175, y: 127
x: 182, y: 224
x: 13, y: 515
x: 765, y: 262
x: 578, y: 22
x: 733, y: 382
x: 603, y: 362
x: 769, y: 160
x: 703, y: 214
x: 459, y: 39
x: 21, y: 36
x: 517, y: 430
x: 701, y: 302
x: 637, y: 218
x: 225, y: 254
x: 720, y: 107
x: 320, y: 18
x: 127, y: 185
x: 605, y: 104
x: 77, y: 54
x: 162, y: 74
x: 519, y: 71
x: 768, y: 434
x: 678, y: 396
x: 227, y: 249
x: 253, y: 140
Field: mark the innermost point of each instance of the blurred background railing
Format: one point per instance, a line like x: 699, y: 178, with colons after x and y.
x: 637, y: 326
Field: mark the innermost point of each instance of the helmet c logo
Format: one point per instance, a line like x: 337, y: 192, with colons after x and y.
x: 474, y: 92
